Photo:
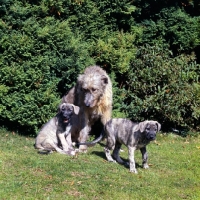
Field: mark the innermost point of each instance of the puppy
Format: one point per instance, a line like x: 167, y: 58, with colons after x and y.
x: 56, y: 133
x: 133, y: 135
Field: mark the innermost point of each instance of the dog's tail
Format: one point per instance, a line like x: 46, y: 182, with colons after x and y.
x: 94, y: 141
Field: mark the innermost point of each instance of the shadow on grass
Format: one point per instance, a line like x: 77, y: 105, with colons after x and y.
x: 102, y: 155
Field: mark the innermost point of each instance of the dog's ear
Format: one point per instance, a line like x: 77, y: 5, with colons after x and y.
x: 60, y: 107
x: 104, y: 79
x: 142, y: 126
x: 76, y: 109
x: 158, y: 125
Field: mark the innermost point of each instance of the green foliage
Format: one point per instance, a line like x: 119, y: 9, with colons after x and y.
x: 44, y: 45
x: 38, y: 56
x: 173, y: 27
x: 163, y: 88
x: 116, y: 51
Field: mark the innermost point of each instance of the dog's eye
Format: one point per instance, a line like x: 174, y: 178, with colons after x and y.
x: 84, y: 90
x: 94, y: 89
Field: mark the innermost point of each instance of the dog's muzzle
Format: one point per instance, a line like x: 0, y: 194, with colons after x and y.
x: 151, y: 136
x: 66, y: 117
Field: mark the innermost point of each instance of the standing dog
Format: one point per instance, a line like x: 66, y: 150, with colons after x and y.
x: 56, y: 133
x: 93, y: 94
x: 133, y: 135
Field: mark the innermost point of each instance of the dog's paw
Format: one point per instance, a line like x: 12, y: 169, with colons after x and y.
x: 145, y: 166
x: 111, y: 160
x: 83, y: 149
x: 127, y: 164
x: 133, y: 171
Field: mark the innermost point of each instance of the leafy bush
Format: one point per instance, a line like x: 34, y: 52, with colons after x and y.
x: 44, y: 45
x: 173, y: 28
x: 37, y: 58
x: 163, y: 88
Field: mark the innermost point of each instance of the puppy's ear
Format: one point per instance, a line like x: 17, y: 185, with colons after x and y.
x: 76, y: 109
x: 60, y: 107
x: 104, y: 79
x: 158, y: 125
x: 142, y: 126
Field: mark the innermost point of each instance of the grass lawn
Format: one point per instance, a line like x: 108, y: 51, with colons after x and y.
x: 174, y: 172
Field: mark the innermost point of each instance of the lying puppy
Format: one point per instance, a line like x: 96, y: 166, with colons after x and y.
x: 56, y: 133
x: 133, y: 135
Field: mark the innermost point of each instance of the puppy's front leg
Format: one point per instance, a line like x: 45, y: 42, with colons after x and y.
x: 63, y: 141
x: 144, y: 158
x: 131, y: 151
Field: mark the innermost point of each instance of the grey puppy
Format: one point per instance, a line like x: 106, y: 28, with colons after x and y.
x: 133, y: 135
x: 56, y: 133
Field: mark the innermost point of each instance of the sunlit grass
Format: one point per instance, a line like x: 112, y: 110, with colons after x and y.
x: 174, y: 172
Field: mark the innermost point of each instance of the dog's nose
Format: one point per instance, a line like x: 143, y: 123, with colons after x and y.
x: 87, y: 104
x: 152, y: 137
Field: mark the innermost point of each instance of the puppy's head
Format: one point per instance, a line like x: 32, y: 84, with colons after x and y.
x: 150, y: 128
x: 66, y: 111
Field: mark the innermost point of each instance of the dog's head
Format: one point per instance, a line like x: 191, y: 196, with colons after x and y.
x: 150, y: 128
x: 66, y: 111
x: 92, y: 85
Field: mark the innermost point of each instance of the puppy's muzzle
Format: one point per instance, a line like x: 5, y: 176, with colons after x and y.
x: 66, y: 118
x: 151, y: 136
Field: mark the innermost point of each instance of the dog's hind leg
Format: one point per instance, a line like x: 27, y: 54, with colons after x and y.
x: 116, y: 153
x: 48, y: 145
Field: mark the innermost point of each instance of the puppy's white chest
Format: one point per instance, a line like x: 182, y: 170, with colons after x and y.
x: 68, y: 128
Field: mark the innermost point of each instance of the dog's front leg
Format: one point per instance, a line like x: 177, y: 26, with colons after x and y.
x: 144, y: 158
x: 64, y: 144
x: 83, y: 138
x: 131, y: 151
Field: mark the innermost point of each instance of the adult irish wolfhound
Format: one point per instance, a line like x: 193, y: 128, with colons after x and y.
x: 93, y: 94
x: 56, y: 133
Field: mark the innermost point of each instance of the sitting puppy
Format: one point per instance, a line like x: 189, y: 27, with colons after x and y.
x: 133, y: 135
x: 56, y: 133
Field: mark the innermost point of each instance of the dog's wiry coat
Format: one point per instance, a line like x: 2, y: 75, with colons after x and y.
x: 93, y: 94
x: 56, y: 133
x: 133, y: 135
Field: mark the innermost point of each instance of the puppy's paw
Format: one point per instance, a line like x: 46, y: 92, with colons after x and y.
x: 127, y: 164
x: 111, y: 160
x: 145, y: 166
x: 133, y: 171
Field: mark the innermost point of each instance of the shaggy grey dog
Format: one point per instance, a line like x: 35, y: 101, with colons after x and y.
x: 56, y: 133
x: 93, y: 94
x: 133, y: 135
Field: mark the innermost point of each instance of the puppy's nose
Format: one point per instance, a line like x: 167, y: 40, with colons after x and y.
x: 152, y: 137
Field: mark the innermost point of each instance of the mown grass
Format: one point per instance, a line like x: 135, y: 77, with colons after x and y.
x: 174, y: 172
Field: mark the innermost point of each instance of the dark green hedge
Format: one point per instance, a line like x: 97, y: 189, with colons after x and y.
x: 149, y: 53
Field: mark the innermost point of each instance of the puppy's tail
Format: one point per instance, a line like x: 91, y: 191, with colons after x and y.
x: 94, y: 141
